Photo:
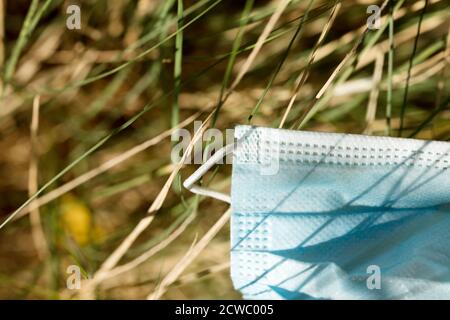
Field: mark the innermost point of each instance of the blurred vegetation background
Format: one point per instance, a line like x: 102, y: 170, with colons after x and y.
x: 86, y: 117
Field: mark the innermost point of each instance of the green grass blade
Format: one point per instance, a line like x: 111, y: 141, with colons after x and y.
x: 234, y: 51
x: 24, y: 35
x: 281, y: 61
x: 390, y: 71
x: 175, y: 117
x: 144, y: 53
x: 411, y: 59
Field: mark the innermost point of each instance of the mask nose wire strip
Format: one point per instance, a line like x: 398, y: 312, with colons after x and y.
x: 189, y: 183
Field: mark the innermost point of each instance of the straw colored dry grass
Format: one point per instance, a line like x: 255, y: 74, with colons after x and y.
x: 86, y: 117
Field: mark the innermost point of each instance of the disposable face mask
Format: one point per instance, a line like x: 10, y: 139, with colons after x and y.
x: 337, y: 216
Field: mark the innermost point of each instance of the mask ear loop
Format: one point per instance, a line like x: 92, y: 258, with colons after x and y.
x: 189, y: 183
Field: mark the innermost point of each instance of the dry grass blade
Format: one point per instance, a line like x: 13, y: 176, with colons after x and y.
x: 152, y: 251
x: 162, y: 285
x: 102, y: 168
x: 330, y: 47
x: 401, y: 37
x: 173, y: 275
x: 120, y: 251
x: 305, y: 73
x: 349, y: 56
x: 262, y: 38
x: 288, y: 109
x: 156, y: 205
x: 373, y: 98
x: 196, y: 276
x: 36, y: 227
x: 443, y: 78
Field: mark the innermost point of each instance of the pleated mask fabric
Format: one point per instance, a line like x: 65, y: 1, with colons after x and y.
x: 339, y: 216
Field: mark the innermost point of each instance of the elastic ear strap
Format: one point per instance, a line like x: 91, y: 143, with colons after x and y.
x: 189, y: 183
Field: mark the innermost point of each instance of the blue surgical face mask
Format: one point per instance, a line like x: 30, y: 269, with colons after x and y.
x: 339, y: 216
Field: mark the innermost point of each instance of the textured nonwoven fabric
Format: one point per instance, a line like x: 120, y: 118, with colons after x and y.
x: 339, y: 216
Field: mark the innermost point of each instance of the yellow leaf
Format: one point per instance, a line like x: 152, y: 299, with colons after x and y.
x: 76, y: 219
